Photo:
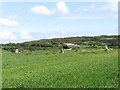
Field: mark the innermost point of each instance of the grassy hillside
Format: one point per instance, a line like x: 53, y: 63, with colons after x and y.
x: 93, y: 68
x: 88, y: 41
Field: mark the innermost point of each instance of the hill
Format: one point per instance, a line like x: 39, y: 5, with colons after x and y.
x: 40, y: 65
x: 87, y: 41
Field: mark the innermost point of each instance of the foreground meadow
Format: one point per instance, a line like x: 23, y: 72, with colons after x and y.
x: 50, y: 69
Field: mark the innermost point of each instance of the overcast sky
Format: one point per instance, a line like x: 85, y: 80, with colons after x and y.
x: 24, y: 21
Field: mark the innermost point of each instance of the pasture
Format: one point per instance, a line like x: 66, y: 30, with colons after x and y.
x: 93, y: 68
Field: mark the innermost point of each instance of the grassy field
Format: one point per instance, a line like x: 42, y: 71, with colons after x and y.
x: 93, y: 68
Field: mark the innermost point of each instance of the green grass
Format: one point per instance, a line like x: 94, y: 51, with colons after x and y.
x: 93, y: 68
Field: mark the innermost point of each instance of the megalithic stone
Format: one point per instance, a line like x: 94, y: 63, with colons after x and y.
x: 16, y: 51
x: 106, y: 48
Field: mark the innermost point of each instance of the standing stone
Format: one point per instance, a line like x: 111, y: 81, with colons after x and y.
x: 106, y: 48
x: 62, y: 50
x: 16, y: 51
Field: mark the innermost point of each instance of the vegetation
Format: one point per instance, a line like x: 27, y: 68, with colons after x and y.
x: 96, y: 41
x: 40, y: 65
x: 93, y: 68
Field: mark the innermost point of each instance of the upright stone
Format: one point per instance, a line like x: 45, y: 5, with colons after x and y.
x: 106, y: 48
x: 62, y: 50
x: 16, y: 51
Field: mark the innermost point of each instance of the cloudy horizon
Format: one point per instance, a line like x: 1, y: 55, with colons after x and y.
x: 27, y: 21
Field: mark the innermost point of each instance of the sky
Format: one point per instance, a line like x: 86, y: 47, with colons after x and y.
x: 26, y: 21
